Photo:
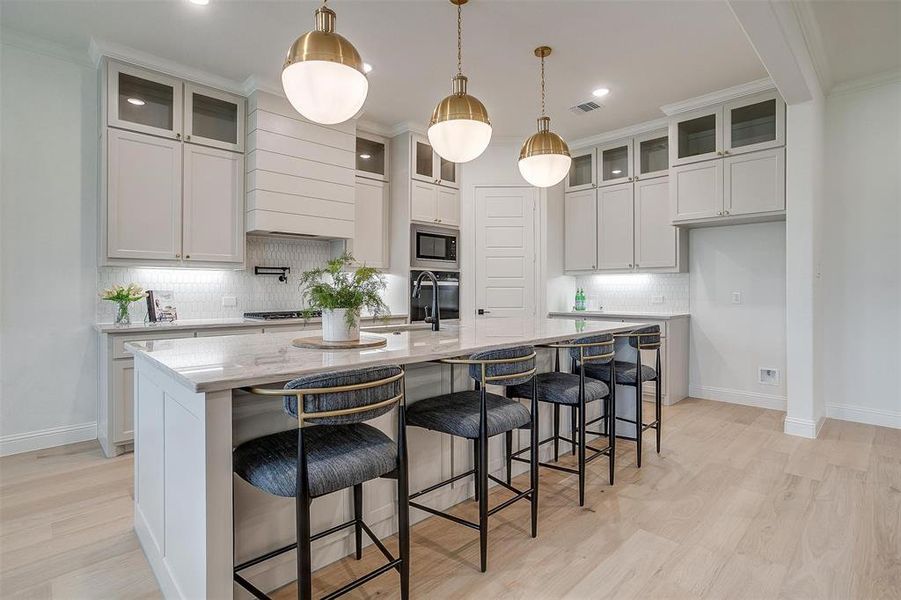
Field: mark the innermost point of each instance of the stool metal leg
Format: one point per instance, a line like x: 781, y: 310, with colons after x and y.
x: 534, y: 457
x: 574, y: 428
x: 475, y: 465
x: 358, y: 519
x: 482, y: 484
x: 639, y: 400
x: 658, y: 397
x: 582, y: 436
x: 302, y: 517
x: 612, y: 432
x: 556, y: 432
x: 508, y: 442
x: 403, y: 506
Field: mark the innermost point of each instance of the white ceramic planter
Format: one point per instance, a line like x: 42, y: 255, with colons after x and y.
x: 334, y: 326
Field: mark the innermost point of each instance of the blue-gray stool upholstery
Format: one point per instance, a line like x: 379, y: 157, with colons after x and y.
x: 458, y: 414
x: 625, y: 372
x: 338, y: 457
x: 561, y: 388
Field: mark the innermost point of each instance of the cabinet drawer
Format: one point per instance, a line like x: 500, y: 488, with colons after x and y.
x: 119, y: 341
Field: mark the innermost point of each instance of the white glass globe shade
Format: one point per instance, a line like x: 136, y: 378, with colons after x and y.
x: 545, y: 170
x: 459, y: 140
x: 325, y: 92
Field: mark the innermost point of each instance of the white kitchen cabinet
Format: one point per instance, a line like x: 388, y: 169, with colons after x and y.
x: 143, y: 188
x: 615, y: 162
x: 214, y: 118
x: 753, y: 123
x: 370, y: 243
x: 432, y: 203
x: 582, y: 171
x: 656, y: 240
x: 122, y: 385
x: 213, y: 208
x: 581, y: 234
x: 754, y: 183
x: 372, y: 157
x: 142, y: 100
x: 696, y: 136
x: 696, y: 190
x: 427, y: 166
x: 615, y: 227
x: 651, y: 155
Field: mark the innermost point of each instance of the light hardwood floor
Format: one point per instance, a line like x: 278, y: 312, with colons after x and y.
x: 731, y: 508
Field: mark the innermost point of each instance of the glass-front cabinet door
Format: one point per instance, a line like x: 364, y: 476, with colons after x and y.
x: 447, y: 173
x: 696, y: 136
x: 143, y: 101
x: 582, y: 171
x: 651, y: 155
x: 372, y: 158
x: 615, y: 162
x: 422, y: 157
x: 754, y: 123
x: 214, y: 118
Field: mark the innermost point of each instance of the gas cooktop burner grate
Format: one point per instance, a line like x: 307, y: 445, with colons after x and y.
x: 275, y: 315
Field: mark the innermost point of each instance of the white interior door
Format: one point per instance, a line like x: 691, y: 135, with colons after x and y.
x: 505, y: 251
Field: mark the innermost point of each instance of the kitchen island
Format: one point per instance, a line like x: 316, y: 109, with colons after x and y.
x: 190, y: 411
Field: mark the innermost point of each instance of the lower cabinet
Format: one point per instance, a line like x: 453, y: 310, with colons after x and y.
x: 623, y: 228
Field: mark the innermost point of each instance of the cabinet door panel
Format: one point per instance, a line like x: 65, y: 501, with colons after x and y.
x: 582, y: 171
x: 448, y: 206
x: 696, y: 190
x: 144, y: 101
x: 615, y: 227
x: 422, y: 158
x: 143, y: 196
x: 614, y: 162
x: 651, y: 155
x: 580, y: 236
x: 122, y: 374
x: 370, y: 222
x: 696, y: 136
x: 423, y: 202
x: 655, y: 236
x: 447, y: 173
x: 214, y: 118
x: 754, y: 123
x: 372, y: 158
x: 213, y: 205
x: 755, y: 182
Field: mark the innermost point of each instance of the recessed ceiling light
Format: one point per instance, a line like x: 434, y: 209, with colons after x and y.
x: 365, y: 156
x: 367, y: 67
x: 616, y: 171
x: 199, y: 2
x: 136, y: 101
x: 600, y: 92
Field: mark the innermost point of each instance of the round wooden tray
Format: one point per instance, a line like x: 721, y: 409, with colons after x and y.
x: 317, y: 343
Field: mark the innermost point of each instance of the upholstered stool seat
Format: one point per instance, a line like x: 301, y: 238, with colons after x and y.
x: 562, y: 388
x: 625, y: 372
x: 458, y: 414
x: 338, y: 457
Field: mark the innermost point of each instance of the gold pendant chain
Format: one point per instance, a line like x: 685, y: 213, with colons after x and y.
x: 459, y: 39
x: 542, y: 86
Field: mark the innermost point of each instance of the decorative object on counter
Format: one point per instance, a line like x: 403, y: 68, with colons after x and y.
x: 580, y: 300
x: 159, y: 306
x: 123, y: 296
x: 318, y: 343
x: 544, y: 158
x: 323, y: 76
x: 342, y: 294
x: 459, y: 129
x: 282, y: 272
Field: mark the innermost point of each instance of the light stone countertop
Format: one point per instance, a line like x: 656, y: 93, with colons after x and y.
x: 219, y: 363
x: 212, y: 324
x: 619, y: 314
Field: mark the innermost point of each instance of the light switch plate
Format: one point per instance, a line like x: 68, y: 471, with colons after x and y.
x: 768, y: 376
x: 736, y: 297
x: 229, y: 301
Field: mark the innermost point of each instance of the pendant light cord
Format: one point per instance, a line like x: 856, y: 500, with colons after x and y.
x: 459, y: 39
x: 542, y: 86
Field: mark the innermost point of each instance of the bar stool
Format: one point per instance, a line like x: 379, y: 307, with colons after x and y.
x: 626, y: 373
x: 575, y: 390
x: 479, y: 415
x: 332, y: 449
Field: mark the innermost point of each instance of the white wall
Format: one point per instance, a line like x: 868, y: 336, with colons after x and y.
x: 730, y: 342
x: 861, y: 264
x: 48, y: 370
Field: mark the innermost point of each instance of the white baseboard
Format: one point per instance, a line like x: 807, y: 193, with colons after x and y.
x: 47, y: 438
x: 805, y: 428
x: 733, y: 396
x: 863, y: 414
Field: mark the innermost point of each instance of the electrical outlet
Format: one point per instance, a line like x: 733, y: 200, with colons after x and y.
x: 736, y: 297
x: 656, y: 299
x: 768, y: 376
x: 229, y: 301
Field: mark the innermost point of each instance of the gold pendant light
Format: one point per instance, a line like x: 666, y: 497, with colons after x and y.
x: 323, y: 75
x: 544, y: 159
x: 459, y: 130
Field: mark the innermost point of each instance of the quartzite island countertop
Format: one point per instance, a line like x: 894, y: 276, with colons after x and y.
x: 228, y: 362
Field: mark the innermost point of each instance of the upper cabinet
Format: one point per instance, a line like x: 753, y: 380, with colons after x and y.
x: 427, y: 166
x: 214, y: 118
x: 143, y: 101
x: 372, y: 157
x: 753, y: 123
x: 615, y: 162
x: 582, y: 171
x: 696, y: 136
x: 651, y: 154
x: 620, y: 161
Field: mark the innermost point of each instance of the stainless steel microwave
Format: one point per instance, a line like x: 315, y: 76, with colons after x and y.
x: 434, y: 248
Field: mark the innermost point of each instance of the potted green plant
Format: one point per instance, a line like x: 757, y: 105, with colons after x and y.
x: 341, y: 293
x: 123, y: 295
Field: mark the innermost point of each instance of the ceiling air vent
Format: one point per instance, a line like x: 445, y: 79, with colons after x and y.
x: 585, y: 107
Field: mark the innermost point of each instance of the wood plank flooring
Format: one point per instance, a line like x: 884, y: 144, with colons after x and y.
x: 731, y: 508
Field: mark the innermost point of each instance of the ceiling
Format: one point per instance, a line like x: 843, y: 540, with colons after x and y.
x: 860, y: 38
x: 647, y: 53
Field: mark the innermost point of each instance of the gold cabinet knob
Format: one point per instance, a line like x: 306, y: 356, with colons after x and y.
x: 178, y: 136
x: 187, y: 256
x: 178, y: 256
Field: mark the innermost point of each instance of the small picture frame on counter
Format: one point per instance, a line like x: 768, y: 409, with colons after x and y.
x: 160, y: 307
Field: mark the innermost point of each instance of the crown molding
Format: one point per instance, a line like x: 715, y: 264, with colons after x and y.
x: 813, y: 39
x: 406, y: 127
x: 866, y: 83
x: 624, y: 132
x: 32, y: 43
x: 736, y: 91
x: 100, y: 48
x: 374, y: 128
x: 256, y: 84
